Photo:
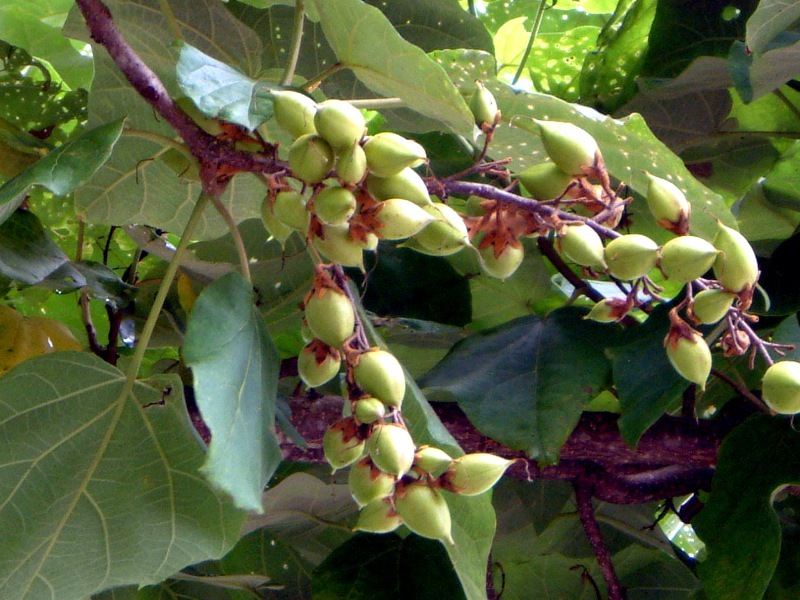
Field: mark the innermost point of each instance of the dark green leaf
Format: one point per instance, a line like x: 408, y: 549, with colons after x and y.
x: 738, y: 524
x: 235, y: 367
x: 111, y: 475
x: 221, y: 91
x: 779, y: 279
x: 525, y: 383
x: 387, y: 567
x: 63, y: 170
x: 27, y: 254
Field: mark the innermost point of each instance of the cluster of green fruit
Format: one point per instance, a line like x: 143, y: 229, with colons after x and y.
x: 392, y: 480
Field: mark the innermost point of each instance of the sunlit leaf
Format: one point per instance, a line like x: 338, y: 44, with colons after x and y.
x: 770, y: 18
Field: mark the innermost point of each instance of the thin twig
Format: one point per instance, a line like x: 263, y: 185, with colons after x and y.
x: 783, y: 98
x: 244, y: 261
x: 537, y: 22
x: 294, y: 47
x: 583, y: 498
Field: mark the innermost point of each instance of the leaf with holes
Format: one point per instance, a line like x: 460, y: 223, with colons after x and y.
x: 112, y: 474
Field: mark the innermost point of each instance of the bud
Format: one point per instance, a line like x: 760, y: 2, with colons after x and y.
x: 294, y: 112
x: 424, y: 511
x: 341, y: 445
x: 505, y: 264
x: 340, y: 123
x: 668, y: 205
x: 369, y: 410
x: 474, y: 474
x: 446, y: 235
x: 389, y: 153
x: 432, y: 461
x: 544, y: 181
x: 709, y: 306
x: 407, y: 184
x: 400, y: 219
x: 582, y: 245
x: 686, y: 258
x: 391, y: 449
x: 368, y: 483
x: 336, y: 245
x: 689, y: 354
x: 290, y: 209
x: 780, y: 387
x: 379, y: 374
x: 631, y: 256
x: 334, y: 205
x: 352, y: 164
x: 483, y: 105
x: 610, y: 310
x: 274, y: 227
x: 379, y: 516
x: 736, y: 267
x: 330, y: 316
x: 310, y: 158
x: 318, y: 363
x: 568, y: 146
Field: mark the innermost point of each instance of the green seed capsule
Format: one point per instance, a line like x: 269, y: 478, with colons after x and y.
x: 337, y: 246
x: 582, y: 245
x: 686, y: 258
x: 668, y: 204
x: 709, y: 306
x: 330, y: 316
x: 379, y: 374
x: 631, y: 256
x: 689, y: 356
x: 432, y: 461
x: 272, y: 224
x: 475, y: 474
x: 334, y: 205
x: 407, y: 184
x: 781, y: 387
x: 391, y: 449
x: 400, y: 219
x: 504, y: 265
x: 340, y: 123
x: 368, y: 483
x: 568, y: 146
x: 379, y: 516
x: 425, y: 512
x: 736, y: 267
x: 318, y: 363
x: 311, y: 158
x: 352, y: 164
x: 544, y: 181
x: 389, y: 153
x: 483, y: 105
x: 446, y: 235
x: 294, y: 113
x: 369, y: 410
x: 290, y: 209
x: 340, y: 444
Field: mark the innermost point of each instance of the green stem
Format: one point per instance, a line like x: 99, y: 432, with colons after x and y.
x: 244, y: 262
x: 537, y: 23
x: 312, y: 84
x: 161, y: 295
x: 297, y: 36
x: 783, y: 98
x: 172, y: 22
x: 377, y: 103
x: 472, y: 10
x: 159, y: 139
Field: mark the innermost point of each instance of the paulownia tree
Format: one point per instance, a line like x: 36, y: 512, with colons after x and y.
x: 547, y: 349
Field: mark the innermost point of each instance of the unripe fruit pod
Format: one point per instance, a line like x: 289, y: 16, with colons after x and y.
x: 294, y: 113
x: 391, y: 449
x: 334, y: 205
x: 474, y: 474
x: 311, y: 158
x: 568, y: 146
x: 544, y: 181
x: 407, y: 184
x: 432, y: 461
x: 340, y: 444
x: 504, y: 265
x: 368, y: 483
x: 337, y: 246
x: 709, y: 306
x: 780, y: 388
x: 582, y: 245
x: 425, y: 512
x: 340, y: 123
x: 686, y: 258
x: 736, y: 267
x: 446, y: 235
x: 668, y: 205
x: 389, y: 153
x: 290, y: 209
x: 378, y: 516
x: 609, y: 310
x: 330, y: 316
x: 369, y: 410
x: 379, y: 374
x: 400, y: 219
x: 689, y: 356
x: 631, y: 256
x: 483, y: 105
x: 352, y: 164
x: 272, y: 224
x: 318, y: 363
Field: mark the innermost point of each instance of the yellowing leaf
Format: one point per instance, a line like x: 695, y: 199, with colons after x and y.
x: 22, y: 337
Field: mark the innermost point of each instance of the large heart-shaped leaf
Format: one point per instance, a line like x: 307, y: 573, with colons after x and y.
x: 99, y: 482
x: 235, y: 366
